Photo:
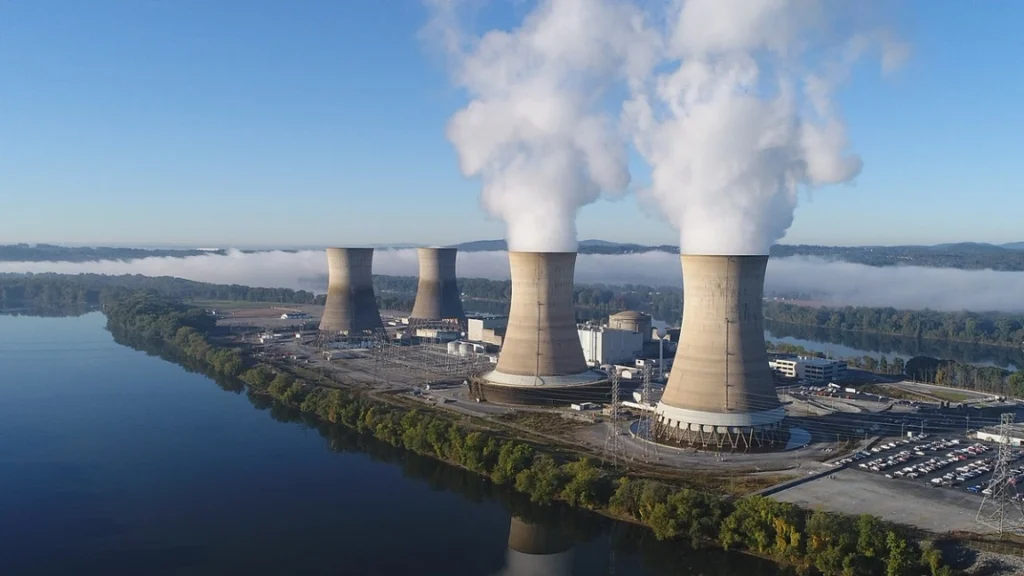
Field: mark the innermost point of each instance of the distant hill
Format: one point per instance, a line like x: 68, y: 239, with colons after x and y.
x: 1013, y: 245
x: 54, y: 253
x: 482, y: 246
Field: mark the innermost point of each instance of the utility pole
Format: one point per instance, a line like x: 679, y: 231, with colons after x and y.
x: 1002, y: 492
x: 612, y: 446
x: 967, y: 432
x: 646, y: 424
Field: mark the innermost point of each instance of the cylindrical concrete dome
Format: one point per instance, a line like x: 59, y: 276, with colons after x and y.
x: 541, y: 338
x: 720, y: 383
x: 535, y: 550
x: 351, y: 305
x: 632, y: 321
x: 437, y: 294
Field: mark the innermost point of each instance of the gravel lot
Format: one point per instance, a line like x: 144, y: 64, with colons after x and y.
x: 856, y: 492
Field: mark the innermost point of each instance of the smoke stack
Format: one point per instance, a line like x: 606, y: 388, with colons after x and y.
x: 437, y: 295
x: 351, y: 306
x: 535, y: 550
x: 541, y: 359
x: 721, y: 391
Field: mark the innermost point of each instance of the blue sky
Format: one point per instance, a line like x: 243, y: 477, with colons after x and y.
x: 263, y: 122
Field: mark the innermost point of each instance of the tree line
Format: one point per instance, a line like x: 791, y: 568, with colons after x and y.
x: 592, y: 302
x: 819, y: 542
x: 812, y: 541
x: 993, y: 328
x: 888, y: 344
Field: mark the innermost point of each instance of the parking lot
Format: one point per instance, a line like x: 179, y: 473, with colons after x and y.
x: 934, y: 482
x: 945, y: 463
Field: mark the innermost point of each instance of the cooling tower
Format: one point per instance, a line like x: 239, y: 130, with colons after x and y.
x: 541, y: 359
x: 720, y: 392
x: 535, y: 550
x: 351, y: 306
x: 437, y: 295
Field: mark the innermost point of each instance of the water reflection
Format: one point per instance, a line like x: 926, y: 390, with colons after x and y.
x: 844, y: 344
x: 540, y: 540
x: 536, y: 550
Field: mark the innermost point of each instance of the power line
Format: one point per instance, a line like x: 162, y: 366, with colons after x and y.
x: 1000, y: 508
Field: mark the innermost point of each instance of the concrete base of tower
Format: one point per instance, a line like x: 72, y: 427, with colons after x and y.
x: 501, y: 388
x: 764, y: 430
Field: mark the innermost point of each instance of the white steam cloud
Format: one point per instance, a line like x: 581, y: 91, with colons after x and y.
x: 740, y: 116
x: 536, y: 130
x: 832, y: 283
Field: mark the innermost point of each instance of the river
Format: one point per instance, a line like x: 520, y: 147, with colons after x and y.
x: 844, y: 344
x: 115, y: 461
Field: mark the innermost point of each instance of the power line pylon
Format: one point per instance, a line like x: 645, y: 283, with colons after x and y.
x: 612, y: 444
x: 645, y: 430
x: 1001, y: 508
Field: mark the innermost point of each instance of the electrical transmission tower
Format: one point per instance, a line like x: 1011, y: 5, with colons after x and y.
x: 1001, y: 509
x: 645, y: 428
x: 612, y: 445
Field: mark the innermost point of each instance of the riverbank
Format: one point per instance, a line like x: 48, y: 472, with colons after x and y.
x: 816, y: 541
x: 996, y: 344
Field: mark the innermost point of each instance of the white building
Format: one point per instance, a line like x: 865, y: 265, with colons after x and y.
x: 810, y: 369
x: 602, y: 345
x: 992, y: 435
x: 490, y: 330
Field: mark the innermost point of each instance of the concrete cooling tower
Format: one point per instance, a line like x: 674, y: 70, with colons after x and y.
x: 351, y: 306
x: 437, y: 295
x: 535, y: 550
x: 720, y: 392
x: 541, y: 359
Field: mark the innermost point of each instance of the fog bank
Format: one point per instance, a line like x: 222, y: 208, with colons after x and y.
x: 834, y: 283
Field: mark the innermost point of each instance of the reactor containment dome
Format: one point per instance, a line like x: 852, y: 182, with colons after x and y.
x: 720, y: 393
x: 541, y: 359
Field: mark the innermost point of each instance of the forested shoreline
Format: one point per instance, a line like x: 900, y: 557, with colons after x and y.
x: 813, y: 542
x: 592, y: 302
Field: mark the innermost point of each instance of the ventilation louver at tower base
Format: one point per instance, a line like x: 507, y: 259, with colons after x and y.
x: 720, y: 394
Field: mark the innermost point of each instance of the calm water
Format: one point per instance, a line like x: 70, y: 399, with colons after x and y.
x: 842, y: 344
x: 113, y: 461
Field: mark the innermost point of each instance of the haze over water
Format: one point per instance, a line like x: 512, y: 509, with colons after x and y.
x: 116, y: 462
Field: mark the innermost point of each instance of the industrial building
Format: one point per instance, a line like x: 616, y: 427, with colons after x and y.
x: 604, y: 345
x: 541, y: 359
x: 437, y: 293
x: 809, y: 369
x: 992, y: 434
x: 489, y: 330
x: 720, y: 393
x: 351, y: 306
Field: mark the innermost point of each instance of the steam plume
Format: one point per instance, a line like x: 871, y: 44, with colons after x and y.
x: 742, y: 118
x: 535, y: 131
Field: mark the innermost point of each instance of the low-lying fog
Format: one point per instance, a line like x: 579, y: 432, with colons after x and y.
x: 837, y: 283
